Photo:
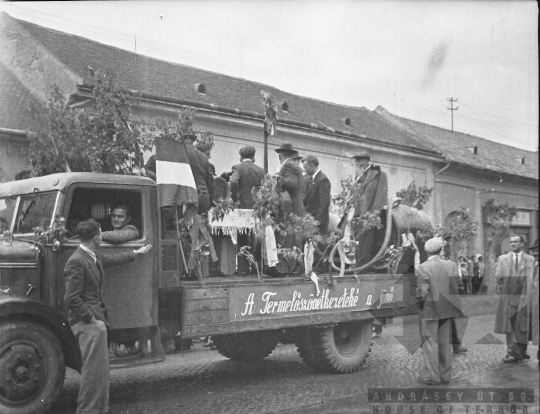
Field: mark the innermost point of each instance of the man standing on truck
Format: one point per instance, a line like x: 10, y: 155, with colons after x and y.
x: 317, y: 193
x: 84, y: 276
x: 371, y: 193
x: 245, y: 176
x: 438, y: 300
x: 123, y: 231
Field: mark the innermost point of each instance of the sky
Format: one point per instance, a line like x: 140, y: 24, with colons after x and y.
x: 409, y: 57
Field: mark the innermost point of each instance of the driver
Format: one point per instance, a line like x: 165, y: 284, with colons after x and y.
x: 123, y: 231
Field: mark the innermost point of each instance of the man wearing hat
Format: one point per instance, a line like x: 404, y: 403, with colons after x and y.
x: 438, y: 302
x: 291, y: 180
x: 371, y: 193
x: 245, y: 176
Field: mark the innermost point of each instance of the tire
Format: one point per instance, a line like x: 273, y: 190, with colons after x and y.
x: 246, y: 346
x: 33, y: 359
x: 339, y: 349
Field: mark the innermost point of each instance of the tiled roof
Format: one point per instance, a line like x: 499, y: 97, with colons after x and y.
x: 458, y: 147
x: 175, y: 81
x: 14, y: 98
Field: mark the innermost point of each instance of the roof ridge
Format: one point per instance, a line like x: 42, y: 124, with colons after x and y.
x: 462, y: 133
x: 254, y: 82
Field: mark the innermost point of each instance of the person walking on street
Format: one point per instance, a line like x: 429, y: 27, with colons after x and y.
x: 439, y: 301
x: 514, y: 274
x: 84, y: 276
x: 535, y: 311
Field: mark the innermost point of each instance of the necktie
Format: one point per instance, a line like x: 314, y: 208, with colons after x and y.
x: 516, y: 262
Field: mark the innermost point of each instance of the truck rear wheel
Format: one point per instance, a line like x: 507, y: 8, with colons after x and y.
x: 340, y: 348
x: 246, y: 346
x: 32, y: 366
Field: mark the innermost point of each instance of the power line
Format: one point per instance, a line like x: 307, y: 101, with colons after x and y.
x: 499, y: 117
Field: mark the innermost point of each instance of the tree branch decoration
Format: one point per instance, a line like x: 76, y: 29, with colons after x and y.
x: 415, y: 197
x: 270, y: 112
x: 97, y: 137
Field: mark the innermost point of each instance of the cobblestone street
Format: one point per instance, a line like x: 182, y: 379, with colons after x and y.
x: 206, y: 382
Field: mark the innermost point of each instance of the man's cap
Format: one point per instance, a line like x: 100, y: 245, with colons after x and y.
x: 247, y: 151
x: 286, y: 148
x: 362, y: 155
x: 534, y: 246
x: 297, y: 156
x: 434, y: 245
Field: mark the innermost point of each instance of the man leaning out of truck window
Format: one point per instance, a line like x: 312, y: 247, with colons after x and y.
x: 123, y: 231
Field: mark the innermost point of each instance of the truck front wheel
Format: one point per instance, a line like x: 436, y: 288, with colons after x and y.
x: 246, y: 346
x: 340, y: 348
x: 32, y: 366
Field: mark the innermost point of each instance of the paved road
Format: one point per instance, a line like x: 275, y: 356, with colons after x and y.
x: 205, y: 382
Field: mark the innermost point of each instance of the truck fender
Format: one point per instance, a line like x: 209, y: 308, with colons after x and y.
x: 18, y: 308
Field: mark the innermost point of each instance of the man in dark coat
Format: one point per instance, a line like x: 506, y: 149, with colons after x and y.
x: 514, y: 273
x: 439, y: 302
x: 84, y: 276
x: 317, y: 196
x: 371, y: 193
x: 245, y: 176
x: 291, y: 182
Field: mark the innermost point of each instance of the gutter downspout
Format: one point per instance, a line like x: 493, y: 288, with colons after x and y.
x: 442, y: 169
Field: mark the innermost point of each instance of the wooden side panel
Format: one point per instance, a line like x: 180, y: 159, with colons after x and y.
x: 205, y: 306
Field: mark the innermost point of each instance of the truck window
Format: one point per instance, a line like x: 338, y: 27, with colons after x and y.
x: 98, y: 204
x: 7, y: 206
x: 35, y: 210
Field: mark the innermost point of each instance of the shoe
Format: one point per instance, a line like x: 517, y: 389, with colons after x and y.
x: 208, y: 344
x: 427, y: 381
x: 509, y: 359
x: 526, y: 356
x: 459, y: 350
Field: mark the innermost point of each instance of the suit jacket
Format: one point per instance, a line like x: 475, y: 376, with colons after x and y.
x: 372, y: 190
x: 245, y: 176
x: 291, y: 182
x: 514, y: 299
x: 124, y: 235
x: 437, y: 289
x: 84, y: 284
x: 317, y: 200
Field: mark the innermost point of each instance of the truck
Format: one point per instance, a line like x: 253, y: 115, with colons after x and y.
x: 154, y: 298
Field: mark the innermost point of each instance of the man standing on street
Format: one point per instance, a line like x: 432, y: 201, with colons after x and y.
x: 438, y: 300
x: 84, y: 277
x: 514, y: 272
x: 317, y: 196
x: 245, y: 176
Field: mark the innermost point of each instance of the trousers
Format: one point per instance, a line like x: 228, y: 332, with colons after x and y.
x: 93, y: 397
x: 436, y: 349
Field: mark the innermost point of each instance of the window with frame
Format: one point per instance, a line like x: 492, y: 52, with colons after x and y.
x: 35, y: 211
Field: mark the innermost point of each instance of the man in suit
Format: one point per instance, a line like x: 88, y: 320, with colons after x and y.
x: 514, y: 273
x: 438, y: 301
x: 291, y: 178
x: 534, y: 308
x: 84, y: 276
x: 317, y: 196
x: 123, y: 231
x: 370, y: 194
x: 245, y: 176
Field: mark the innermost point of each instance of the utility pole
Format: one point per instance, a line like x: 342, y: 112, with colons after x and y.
x: 452, y: 109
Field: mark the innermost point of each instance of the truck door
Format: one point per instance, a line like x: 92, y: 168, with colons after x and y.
x: 130, y: 290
